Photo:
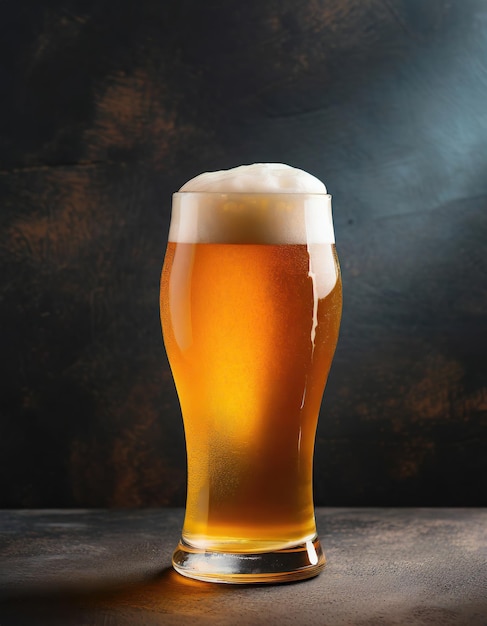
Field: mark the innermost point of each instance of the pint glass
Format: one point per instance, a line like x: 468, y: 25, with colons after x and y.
x: 250, y: 308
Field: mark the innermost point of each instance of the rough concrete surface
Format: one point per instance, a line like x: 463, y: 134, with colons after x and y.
x: 418, y: 567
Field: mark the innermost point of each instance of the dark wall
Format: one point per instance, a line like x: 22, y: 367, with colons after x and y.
x: 108, y: 107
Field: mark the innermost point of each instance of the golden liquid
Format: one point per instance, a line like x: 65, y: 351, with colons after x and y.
x: 250, y: 348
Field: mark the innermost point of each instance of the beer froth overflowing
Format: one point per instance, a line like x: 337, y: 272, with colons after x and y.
x: 259, y: 178
x: 263, y: 203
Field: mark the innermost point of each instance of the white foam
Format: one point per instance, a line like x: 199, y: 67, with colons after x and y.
x: 257, y: 178
x: 268, y: 203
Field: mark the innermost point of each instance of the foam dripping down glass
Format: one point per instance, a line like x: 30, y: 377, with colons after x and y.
x: 250, y: 307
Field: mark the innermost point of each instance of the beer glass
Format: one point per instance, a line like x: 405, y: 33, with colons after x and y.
x: 250, y: 309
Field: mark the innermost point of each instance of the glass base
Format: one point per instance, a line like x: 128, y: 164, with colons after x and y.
x: 304, y: 560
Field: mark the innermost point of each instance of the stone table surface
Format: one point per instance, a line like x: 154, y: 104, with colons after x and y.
x: 112, y: 567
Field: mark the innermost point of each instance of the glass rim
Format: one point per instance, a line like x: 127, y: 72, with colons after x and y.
x: 252, y: 193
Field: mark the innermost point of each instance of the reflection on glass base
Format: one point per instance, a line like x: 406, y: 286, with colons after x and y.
x: 295, y: 563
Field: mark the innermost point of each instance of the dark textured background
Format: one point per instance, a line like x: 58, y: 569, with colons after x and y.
x: 108, y: 107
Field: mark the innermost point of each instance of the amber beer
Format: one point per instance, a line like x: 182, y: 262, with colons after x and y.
x: 250, y: 307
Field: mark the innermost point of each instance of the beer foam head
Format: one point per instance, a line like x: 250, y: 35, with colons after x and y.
x: 257, y: 178
x: 264, y: 203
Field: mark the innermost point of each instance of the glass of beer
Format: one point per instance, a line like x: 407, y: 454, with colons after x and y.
x: 250, y: 307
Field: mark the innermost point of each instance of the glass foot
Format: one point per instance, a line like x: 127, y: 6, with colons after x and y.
x: 298, y: 562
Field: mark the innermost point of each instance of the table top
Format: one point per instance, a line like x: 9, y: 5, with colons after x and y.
x: 112, y: 567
